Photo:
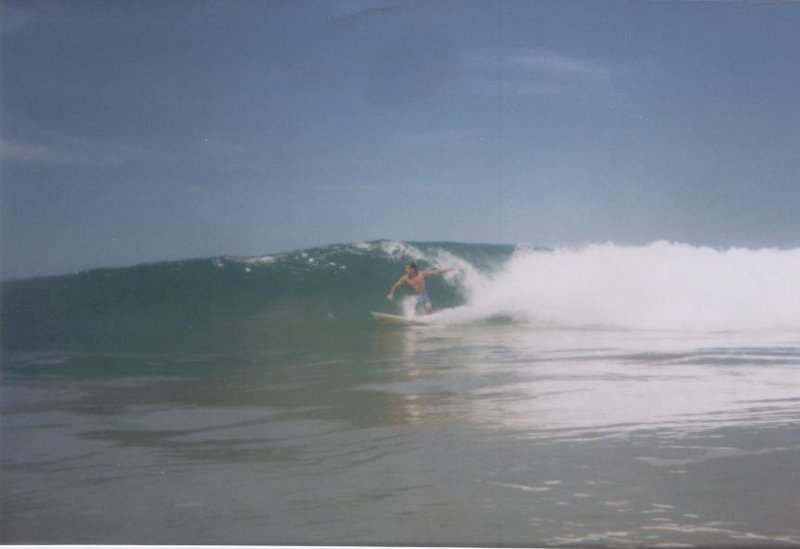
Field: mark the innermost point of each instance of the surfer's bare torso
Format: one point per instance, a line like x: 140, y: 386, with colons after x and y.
x: 416, y: 279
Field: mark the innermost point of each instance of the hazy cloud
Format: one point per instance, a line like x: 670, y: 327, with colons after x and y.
x: 539, y: 73
x: 553, y: 63
x: 544, y: 63
x: 58, y: 149
x: 348, y: 11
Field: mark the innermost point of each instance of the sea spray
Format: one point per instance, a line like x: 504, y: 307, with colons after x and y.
x: 658, y: 286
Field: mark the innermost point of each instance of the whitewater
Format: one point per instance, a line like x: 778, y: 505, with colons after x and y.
x: 599, y: 395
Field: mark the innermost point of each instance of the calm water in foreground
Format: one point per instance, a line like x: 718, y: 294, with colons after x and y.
x: 473, y: 435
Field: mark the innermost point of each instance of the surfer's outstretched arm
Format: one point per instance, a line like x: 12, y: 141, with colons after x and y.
x: 397, y: 284
x: 437, y: 271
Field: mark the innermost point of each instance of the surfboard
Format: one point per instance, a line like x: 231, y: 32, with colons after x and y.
x: 396, y: 320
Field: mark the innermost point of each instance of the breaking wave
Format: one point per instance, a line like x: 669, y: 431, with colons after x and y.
x: 660, y: 286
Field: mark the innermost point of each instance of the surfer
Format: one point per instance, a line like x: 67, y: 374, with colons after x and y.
x: 416, y: 279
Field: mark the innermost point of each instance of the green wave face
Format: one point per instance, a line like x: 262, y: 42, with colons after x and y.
x: 223, y: 301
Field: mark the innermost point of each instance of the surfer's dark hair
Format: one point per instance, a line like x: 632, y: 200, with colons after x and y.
x: 413, y: 266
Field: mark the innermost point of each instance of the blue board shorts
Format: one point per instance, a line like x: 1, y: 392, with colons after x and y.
x: 422, y: 300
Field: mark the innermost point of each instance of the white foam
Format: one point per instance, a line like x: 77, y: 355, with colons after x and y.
x: 400, y: 249
x: 658, y: 286
x: 263, y: 260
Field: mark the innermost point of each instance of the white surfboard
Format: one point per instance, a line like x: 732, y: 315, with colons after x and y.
x: 396, y: 320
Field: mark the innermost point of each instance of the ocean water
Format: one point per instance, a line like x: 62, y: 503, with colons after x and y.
x: 597, y: 396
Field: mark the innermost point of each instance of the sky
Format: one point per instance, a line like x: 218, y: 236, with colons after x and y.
x: 139, y: 131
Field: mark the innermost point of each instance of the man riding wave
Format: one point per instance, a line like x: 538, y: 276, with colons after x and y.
x: 416, y: 279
